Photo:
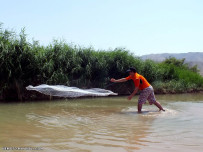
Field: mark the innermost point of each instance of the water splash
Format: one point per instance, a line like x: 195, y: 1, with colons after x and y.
x: 150, y: 112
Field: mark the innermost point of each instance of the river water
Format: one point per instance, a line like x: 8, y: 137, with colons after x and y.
x: 109, y: 124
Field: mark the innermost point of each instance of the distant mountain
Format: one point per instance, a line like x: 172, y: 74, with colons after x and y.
x: 192, y: 58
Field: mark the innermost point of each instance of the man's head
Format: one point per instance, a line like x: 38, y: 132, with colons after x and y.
x: 131, y: 71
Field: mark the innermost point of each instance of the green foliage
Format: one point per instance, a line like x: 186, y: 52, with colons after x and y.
x: 180, y: 63
x: 17, y: 61
x: 150, y: 70
x: 23, y: 63
x: 174, y: 61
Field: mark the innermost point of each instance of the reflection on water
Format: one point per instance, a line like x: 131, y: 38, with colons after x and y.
x: 105, y: 124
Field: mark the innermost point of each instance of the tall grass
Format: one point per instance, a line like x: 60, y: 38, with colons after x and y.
x: 23, y: 63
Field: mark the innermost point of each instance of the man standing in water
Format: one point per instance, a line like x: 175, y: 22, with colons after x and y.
x: 147, y: 91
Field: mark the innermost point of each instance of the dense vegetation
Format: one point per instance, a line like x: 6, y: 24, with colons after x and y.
x: 23, y: 63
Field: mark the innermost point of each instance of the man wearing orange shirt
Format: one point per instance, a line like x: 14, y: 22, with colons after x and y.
x: 147, y: 91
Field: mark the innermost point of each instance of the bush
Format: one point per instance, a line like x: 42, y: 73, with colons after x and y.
x: 23, y: 63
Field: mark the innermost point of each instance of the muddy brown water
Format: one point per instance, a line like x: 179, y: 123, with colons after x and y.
x: 109, y: 124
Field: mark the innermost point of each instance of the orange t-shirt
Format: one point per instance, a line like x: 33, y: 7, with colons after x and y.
x: 139, y: 81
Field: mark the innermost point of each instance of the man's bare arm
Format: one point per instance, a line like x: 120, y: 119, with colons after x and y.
x: 134, y: 92
x: 118, y: 80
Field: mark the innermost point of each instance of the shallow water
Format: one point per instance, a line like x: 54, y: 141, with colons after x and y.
x: 104, y: 125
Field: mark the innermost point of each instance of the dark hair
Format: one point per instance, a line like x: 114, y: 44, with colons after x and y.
x: 131, y: 69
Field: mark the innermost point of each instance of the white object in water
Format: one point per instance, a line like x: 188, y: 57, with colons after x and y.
x: 64, y: 91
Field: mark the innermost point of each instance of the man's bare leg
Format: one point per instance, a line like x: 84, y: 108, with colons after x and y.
x: 159, y: 106
x: 139, y: 107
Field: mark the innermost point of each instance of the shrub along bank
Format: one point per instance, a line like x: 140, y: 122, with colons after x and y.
x: 23, y: 63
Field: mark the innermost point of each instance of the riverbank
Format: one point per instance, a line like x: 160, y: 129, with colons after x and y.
x: 23, y: 63
x: 38, y: 97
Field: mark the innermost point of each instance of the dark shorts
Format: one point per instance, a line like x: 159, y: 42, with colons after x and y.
x: 147, y: 94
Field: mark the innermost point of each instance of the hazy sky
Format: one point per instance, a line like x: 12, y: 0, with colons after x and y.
x: 141, y: 26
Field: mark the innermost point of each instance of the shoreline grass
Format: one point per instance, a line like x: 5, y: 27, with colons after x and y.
x: 23, y: 63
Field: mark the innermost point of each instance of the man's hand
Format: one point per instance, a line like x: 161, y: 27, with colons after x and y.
x: 130, y: 97
x: 134, y: 92
x: 113, y: 80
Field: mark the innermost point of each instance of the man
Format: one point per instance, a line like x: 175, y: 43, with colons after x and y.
x: 147, y: 91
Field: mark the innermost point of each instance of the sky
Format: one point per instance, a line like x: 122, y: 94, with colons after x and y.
x: 140, y: 26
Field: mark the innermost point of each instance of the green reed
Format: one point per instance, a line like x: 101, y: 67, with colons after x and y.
x: 23, y: 63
